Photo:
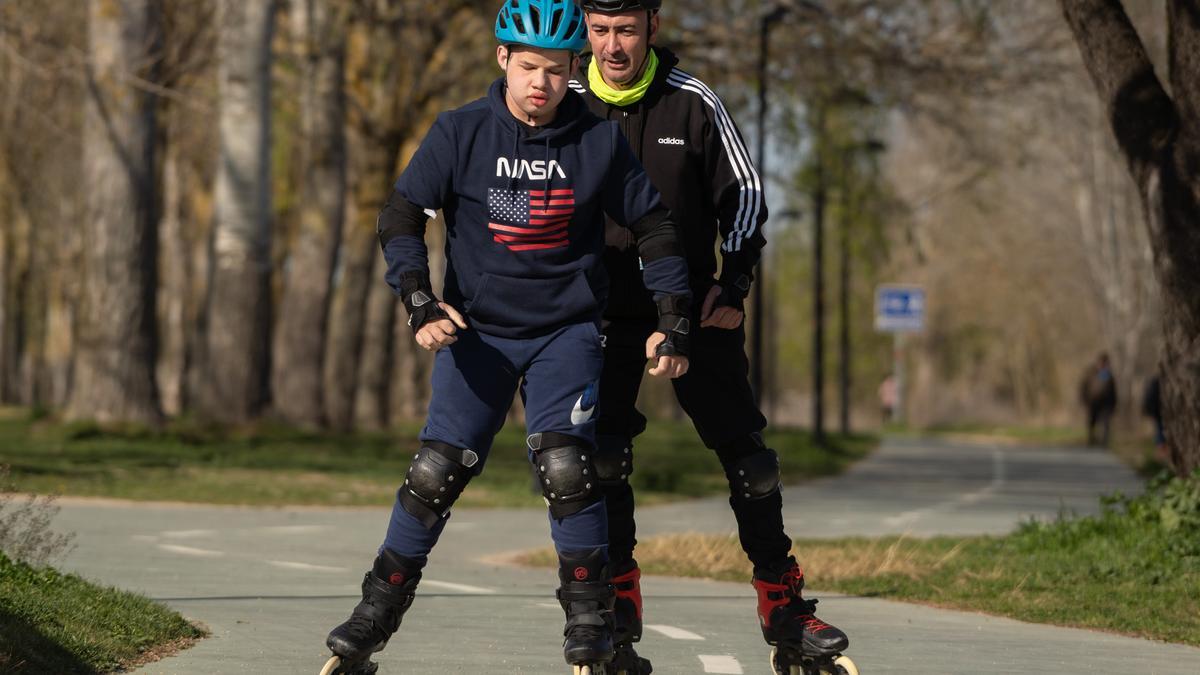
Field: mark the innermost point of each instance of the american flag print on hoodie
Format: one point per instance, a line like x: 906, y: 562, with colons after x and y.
x: 530, y: 220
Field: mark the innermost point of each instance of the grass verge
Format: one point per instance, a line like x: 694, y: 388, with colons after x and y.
x: 1134, y: 569
x: 58, y: 623
x: 275, y: 466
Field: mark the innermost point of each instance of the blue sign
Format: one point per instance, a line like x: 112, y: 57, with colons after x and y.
x: 899, y: 309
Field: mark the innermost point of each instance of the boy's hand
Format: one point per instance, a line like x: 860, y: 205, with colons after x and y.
x: 437, y: 334
x: 725, y: 314
x: 671, y: 366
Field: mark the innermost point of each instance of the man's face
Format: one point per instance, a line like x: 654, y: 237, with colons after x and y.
x: 537, y: 80
x: 620, y: 42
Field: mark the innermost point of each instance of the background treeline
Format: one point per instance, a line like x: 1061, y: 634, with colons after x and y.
x: 188, y: 193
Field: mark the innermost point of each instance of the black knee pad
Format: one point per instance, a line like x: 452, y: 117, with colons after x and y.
x: 565, y: 471
x: 613, y: 460
x: 435, y: 479
x: 751, y: 468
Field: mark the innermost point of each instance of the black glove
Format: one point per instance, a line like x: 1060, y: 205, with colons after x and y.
x: 674, y: 321
x: 733, y: 293
x: 417, y: 294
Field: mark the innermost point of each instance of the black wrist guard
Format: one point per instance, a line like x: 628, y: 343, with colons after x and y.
x: 417, y: 294
x: 733, y: 293
x: 674, y: 321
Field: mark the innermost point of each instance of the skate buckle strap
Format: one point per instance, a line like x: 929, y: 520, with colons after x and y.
x: 585, y: 619
x: 628, y: 587
x: 785, y: 595
x: 384, y: 604
x: 602, y: 596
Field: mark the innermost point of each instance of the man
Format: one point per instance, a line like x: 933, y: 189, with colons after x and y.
x: 696, y: 158
x: 1098, y: 391
x: 523, y: 178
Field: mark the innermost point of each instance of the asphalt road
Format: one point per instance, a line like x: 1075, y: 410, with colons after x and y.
x: 270, y: 583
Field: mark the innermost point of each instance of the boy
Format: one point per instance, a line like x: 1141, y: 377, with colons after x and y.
x: 524, y: 178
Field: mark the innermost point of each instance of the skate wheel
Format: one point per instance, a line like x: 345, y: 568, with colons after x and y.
x: 845, y: 666
x: 331, y: 665
x: 780, y: 669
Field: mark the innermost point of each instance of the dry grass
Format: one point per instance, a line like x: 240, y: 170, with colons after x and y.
x: 721, y: 557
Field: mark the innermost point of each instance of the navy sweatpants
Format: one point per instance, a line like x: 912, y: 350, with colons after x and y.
x: 474, y: 381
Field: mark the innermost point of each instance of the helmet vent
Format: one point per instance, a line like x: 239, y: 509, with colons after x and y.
x: 536, y: 17
x: 555, y: 20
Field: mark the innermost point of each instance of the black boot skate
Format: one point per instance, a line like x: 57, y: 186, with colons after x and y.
x: 627, y: 615
x: 387, y: 593
x: 804, y: 645
x: 587, y: 599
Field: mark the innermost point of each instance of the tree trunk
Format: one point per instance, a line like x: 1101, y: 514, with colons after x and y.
x: 301, y: 330
x: 375, y: 380
x: 820, y: 198
x: 175, y: 275
x: 233, y: 359
x: 7, y: 353
x: 114, y: 376
x: 1160, y: 138
x: 360, y: 247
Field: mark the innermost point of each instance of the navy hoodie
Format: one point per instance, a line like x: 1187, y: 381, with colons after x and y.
x: 524, y: 211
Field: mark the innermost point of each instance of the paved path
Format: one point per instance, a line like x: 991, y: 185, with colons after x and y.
x: 270, y: 583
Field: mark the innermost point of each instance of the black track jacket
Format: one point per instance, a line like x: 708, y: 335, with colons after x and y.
x: 695, y: 156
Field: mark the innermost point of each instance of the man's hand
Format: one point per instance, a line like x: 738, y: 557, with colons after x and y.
x: 671, y: 366
x: 437, y: 334
x: 720, y: 316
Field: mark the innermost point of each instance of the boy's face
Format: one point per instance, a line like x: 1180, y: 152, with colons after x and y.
x: 620, y: 43
x: 537, y: 80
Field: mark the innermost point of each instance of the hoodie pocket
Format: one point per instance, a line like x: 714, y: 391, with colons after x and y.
x: 519, y: 304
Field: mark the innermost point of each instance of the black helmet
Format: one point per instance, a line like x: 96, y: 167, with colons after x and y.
x: 618, y: 6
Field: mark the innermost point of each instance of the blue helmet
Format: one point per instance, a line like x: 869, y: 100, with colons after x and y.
x: 548, y: 24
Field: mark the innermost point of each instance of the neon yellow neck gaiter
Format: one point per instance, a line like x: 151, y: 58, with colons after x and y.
x: 622, y: 97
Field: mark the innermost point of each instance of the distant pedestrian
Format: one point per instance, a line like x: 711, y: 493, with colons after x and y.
x: 1152, y: 408
x: 887, y: 398
x: 1098, y: 393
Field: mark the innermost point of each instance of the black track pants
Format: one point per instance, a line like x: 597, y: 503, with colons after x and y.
x: 715, y: 393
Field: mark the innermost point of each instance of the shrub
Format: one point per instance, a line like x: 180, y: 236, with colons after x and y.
x: 25, y: 533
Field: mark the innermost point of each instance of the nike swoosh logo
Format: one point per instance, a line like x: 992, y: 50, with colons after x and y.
x: 579, y: 414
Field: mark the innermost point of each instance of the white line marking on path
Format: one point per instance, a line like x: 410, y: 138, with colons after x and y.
x: 675, y: 633
x: 287, y: 564
x: 187, y: 534
x: 998, y: 479
x: 188, y: 550
x: 721, y: 664
x: 462, y: 588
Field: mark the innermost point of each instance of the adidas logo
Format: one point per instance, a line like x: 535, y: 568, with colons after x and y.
x: 670, y: 141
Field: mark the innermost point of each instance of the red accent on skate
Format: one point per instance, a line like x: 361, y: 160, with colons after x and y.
x: 396, y: 579
x: 628, y: 587
x: 581, y: 573
x: 814, y: 625
x: 772, y: 596
x: 793, y: 578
